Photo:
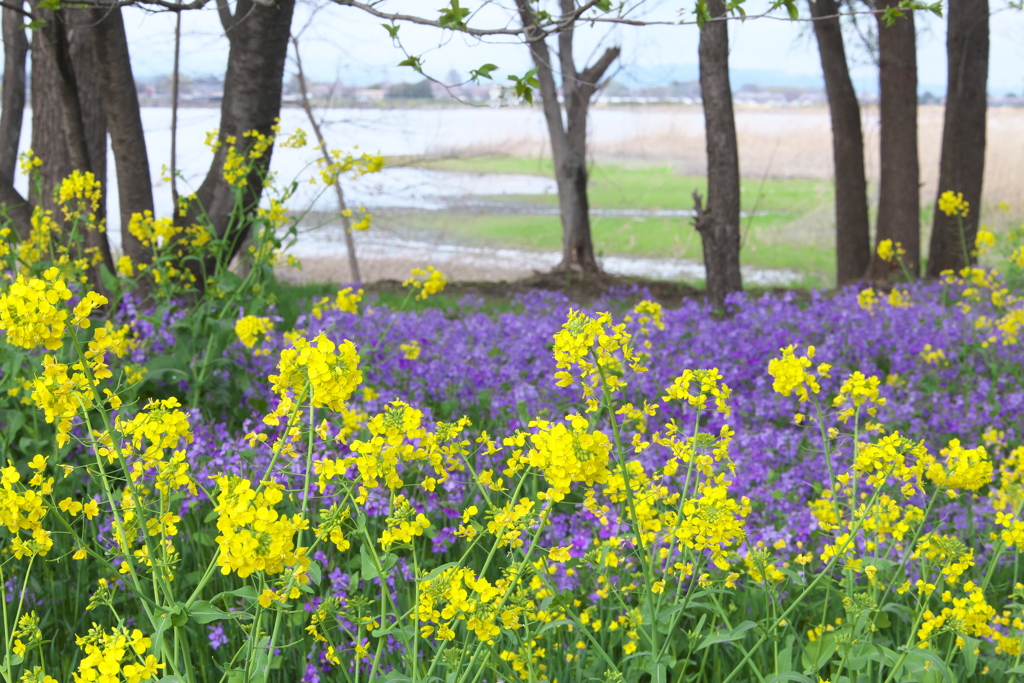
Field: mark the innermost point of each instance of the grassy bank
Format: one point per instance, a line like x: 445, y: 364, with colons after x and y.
x: 790, y: 225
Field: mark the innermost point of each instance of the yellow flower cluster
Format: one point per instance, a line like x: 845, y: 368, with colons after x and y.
x: 713, y: 521
x: 947, y: 552
x: 932, y: 355
x: 345, y: 162
x: 347, y: 300
x: 152, y: 232
x: 457, y: 594
x: 598, y: 351
x: 329, y: 371
x: 84, y: 190
x: 565, y: 452
x: 889, y: 250
x: 41, y: 240
x: 403, y: 524
x: 115, y: 657
x: 896, y: 457
x: 250, y: 328
x: 61, y: 395
x: 856, y: 392
x: 648, y: 314
x: 709, y: 386
x: 412, y: 350
x: 984, y: 241
x: 30, y: 311
x: 964, y: 468
x: 159, y: 427
x: 253, y: 535
x: 953, y: 203
x: 968, y: 616
x: 426, y: 282
x: 791, y: 375
x: 22, y: 508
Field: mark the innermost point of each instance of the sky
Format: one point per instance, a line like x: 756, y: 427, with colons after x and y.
x: 346, y: 45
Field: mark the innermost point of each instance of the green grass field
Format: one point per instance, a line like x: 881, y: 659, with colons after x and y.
x: 791, y: 228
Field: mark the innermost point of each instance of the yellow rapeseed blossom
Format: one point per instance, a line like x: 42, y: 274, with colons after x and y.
x: 426, y: 282
x: 347, y: 300
x: 984, y: 241
x: 254, y: 536
x: 889, y: 250
x: 116, y: 656
x: 251, y: 327
x: 791, y: 376
x: 953, y: 203
x: 964, y: 468
x: 330, y: 370
x: 565, y: 452
x: 31, y: 313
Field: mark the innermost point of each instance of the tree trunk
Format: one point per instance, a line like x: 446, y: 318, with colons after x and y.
x: 258, y: 36
x: 127, y: 138
x: 568, y: 139
x: 15, y: 52
x: 899, y: 193
x: 69, y: 129
x: 853, y: 234
x: 719, y: 223
x: 11, y: 117
x: 962, y: 163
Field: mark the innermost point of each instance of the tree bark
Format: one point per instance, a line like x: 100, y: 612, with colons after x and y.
x: 258, y: 36
x: 15, y: 53
x: 899, y: 202
x: 962, y: 164
x: 569, y: 138
x: 719, y: 223
x: 69, y: 129
x: 853, y: 233
x: 11, y: 117
x: 127, y: 138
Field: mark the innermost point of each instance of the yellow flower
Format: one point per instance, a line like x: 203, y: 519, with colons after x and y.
x: 427, y: 282
x: 30, y: 313
x: 790, y: 374
x: 984, y: 241
x: 953, y: 203
x: 249, y: 328
x: 411, y: 350
x: 889, y: 250
x: 560, y: 554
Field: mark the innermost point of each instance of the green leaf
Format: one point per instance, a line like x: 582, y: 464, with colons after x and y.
x: 554, y: 624
x: 453, y: 16
x: 483, y: 72
x: 314, y: 572
x: 819, y: 653
x: 790, y: 676
x: 413, y: 62
x: 937, y: 663
x: 202, y: 612
x: 392, y: 30
x: 970, y: 654
x: 436, y: 571
x: 727, y: 637
x: 368, y: 569
x: 394, y: 677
